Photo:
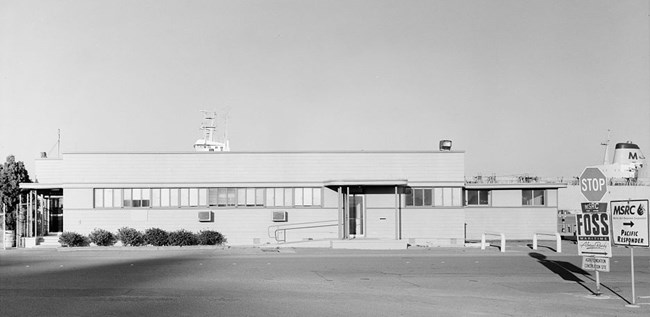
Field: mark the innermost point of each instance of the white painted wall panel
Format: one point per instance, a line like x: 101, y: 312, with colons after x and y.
x: 48, y: 171
x: 506, y: 198
x: 438, y: 223
x: 239, y: 226
x: 380, y: 223
x: 516, y: 223
x: 234, y: 167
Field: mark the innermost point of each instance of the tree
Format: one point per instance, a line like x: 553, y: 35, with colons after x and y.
x: 12, y: 173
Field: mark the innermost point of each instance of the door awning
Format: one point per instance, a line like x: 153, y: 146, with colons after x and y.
x: 366, y: 182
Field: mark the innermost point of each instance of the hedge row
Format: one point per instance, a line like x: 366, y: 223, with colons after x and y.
x: 133, y: 237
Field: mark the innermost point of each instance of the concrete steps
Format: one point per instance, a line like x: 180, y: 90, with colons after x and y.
x: 51, y: 241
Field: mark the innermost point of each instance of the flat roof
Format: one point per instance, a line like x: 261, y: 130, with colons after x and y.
x: 514, y: 185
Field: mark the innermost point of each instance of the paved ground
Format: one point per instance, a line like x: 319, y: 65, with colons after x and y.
x: 317, y: 282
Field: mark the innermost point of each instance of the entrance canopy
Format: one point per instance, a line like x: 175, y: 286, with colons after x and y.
x: 372, y: 182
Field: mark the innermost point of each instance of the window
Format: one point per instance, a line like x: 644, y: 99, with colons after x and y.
x: 297, y: 195
x: 478, y: 197
x: 117, y: 198
x: 279, y: 197
x: 164, y: 197
x: 203, y: 197
x: 99, y: 198
x: 146, y: 197
x: 259, y: 196
x: 155, y: 197
x: 127, y: 198
x: 433, y: 197
x: 108, y: 198
x: 533, y: 197
x: 185, y: 197
x: 270, y: 197
x: 173, y: 197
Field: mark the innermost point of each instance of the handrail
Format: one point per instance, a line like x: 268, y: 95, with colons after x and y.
x: 293, y: 226
x: 558, y: 239
x: 503, y: 240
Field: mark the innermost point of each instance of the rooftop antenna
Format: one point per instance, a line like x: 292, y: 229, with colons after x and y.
x: 606, y: 144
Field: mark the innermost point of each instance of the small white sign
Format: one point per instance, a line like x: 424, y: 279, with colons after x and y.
x: 594, y: 263
x: 630, y: 223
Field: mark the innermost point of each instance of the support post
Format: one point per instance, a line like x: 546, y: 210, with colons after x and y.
x: 340, y: 213
x: 398, y: 234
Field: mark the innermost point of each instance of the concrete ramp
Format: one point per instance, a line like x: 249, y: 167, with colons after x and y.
x: 370, y: 244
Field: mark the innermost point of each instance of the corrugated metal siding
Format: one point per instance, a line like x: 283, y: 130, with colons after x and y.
x: 235, y: 167
x: 380, y: 223
x: 438, y: 223
x: 239, y: 226
x: 516, y: 223
x: 48, y: 171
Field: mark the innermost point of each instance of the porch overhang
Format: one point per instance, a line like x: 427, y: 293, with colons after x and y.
x: 366, y: 182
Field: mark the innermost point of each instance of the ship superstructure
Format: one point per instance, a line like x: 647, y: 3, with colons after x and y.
x: 209, y: 141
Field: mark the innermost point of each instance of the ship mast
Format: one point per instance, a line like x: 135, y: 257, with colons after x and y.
x: 606, y: 144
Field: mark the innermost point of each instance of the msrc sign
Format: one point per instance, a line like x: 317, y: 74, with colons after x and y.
x: 630, y: 222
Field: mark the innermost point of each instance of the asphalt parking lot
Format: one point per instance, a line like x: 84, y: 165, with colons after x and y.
x: 242, y: 281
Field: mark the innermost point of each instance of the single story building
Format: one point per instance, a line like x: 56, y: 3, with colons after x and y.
x: 257, y: 198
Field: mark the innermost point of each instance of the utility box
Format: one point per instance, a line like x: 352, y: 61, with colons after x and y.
x: 205, y: 216
x: 280, y: 216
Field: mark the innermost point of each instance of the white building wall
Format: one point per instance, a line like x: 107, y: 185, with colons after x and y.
x: 433, y: 226
x: 241, y: 167
x: 81, y: 172
x: 518, y: 223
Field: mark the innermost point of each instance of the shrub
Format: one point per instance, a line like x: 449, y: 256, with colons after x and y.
x: 73, y: 239
x: 102, y: 237
x: 156, y: 237
x: 130, y: 236
x: 182, y: 237
x: 210, y: 237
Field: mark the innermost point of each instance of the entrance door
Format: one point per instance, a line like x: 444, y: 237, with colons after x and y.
x: 357, y: 211
x: 56, y: 215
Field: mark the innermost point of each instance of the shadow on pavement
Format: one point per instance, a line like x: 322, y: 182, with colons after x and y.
x: 567, y: 272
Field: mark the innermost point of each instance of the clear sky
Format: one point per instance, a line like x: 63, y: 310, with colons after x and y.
x: 522, y: 86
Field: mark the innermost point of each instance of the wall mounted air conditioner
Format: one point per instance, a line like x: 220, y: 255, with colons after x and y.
x: 280, y: 216
x: 205, y: 216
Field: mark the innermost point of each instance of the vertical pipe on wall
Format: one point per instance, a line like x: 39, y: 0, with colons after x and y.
x: 29, y: 214
x: 346, y: 214
x: 397, y: 217
x: 340, y: 212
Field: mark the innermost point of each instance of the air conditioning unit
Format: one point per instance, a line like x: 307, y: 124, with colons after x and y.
x: 205, y: 216
x: 280, y: 216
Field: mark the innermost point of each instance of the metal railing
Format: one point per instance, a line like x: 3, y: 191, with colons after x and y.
x: 558, y: 240
x: 503, y: 240
x: 279, y: 232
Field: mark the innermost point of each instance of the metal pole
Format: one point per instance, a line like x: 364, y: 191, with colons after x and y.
x: 397, y: 233
x: 4, y: 227
x: 632, y: 269
x: 340, y: 212
x: 597, y: 283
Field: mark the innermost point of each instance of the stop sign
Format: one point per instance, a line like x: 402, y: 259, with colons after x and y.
x: 593, y: 184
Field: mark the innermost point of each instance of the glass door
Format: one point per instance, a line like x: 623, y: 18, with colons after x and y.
x: 356, y: 210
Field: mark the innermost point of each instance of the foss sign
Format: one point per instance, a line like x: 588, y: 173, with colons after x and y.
x: 593, y: 184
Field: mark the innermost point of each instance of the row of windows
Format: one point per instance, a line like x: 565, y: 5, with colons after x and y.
x: 483, y: 197
x: 434, y: 197
x: 203, y: 197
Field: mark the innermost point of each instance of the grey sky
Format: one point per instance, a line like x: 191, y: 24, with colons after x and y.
x: 521, y: 86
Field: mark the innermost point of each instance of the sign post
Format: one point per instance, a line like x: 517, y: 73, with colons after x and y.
x: 630, y: 228
x: 593, y: 229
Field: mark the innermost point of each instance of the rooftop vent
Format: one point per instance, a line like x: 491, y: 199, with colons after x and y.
x: 445, y: 145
